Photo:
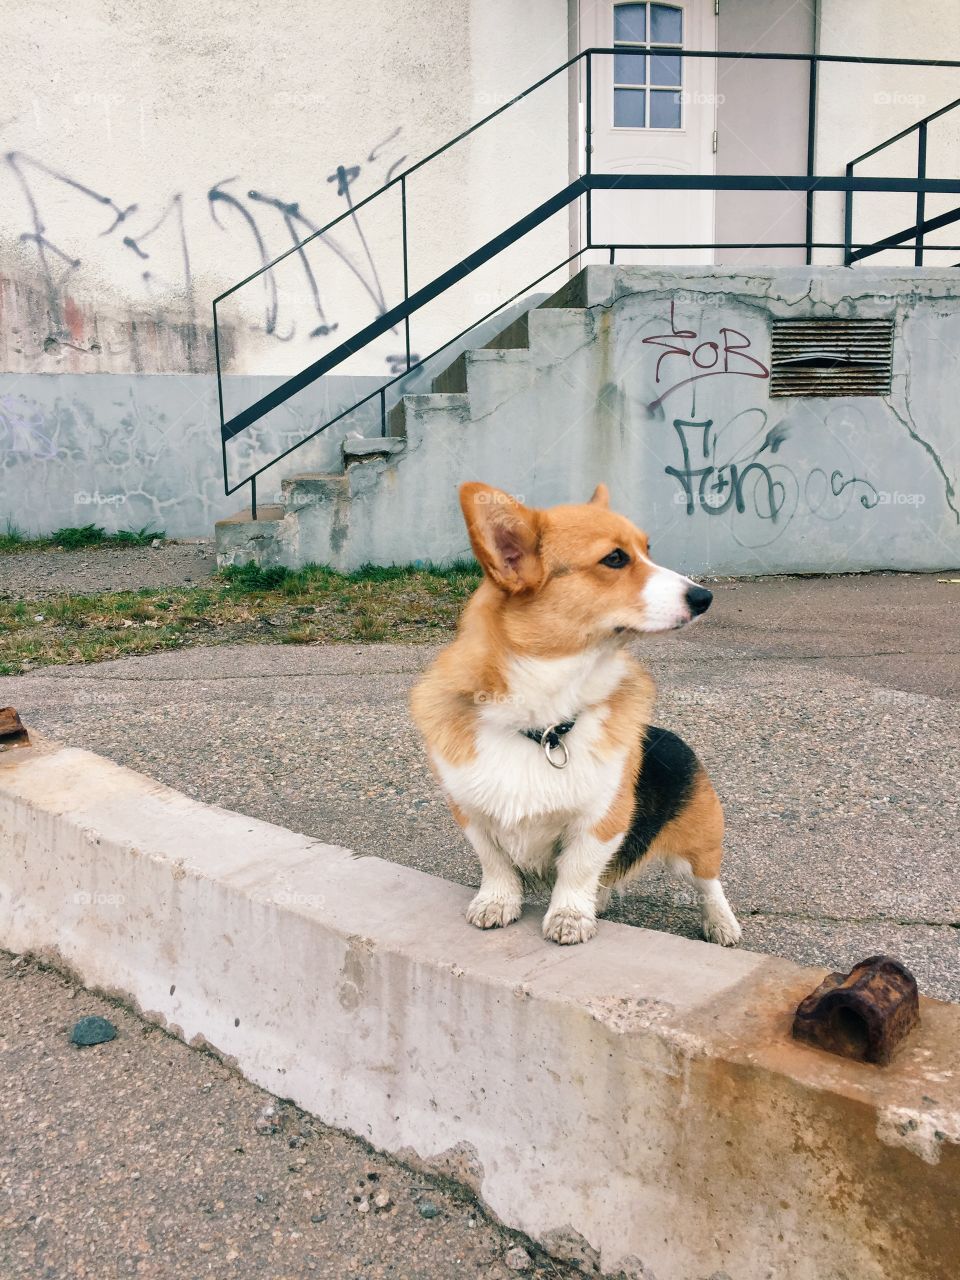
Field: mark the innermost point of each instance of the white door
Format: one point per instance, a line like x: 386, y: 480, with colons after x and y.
x: 652, y: 112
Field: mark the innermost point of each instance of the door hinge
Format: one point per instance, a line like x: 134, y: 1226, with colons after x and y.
x: 715, y: 142
x: 716, y: 6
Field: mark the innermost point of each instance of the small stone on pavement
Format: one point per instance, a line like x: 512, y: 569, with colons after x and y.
x: 517, y: 1259
x: 93, y: 1030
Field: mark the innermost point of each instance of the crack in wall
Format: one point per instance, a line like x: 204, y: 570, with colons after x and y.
x: 949, y: 491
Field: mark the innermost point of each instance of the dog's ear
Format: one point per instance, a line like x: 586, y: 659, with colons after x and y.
x: 505, y: 536
x: 601, y: 496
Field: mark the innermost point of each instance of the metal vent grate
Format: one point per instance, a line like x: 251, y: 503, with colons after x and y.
x: 831, y: 357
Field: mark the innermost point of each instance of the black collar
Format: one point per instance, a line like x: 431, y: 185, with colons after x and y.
x: 552, y: 734
x: 552, y: 740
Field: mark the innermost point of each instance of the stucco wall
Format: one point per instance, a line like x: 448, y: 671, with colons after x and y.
x: 155, y: 154
x: 861, y: 106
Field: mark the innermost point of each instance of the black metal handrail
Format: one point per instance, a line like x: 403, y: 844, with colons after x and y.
x: 581, y: 187
x: 922, y: 226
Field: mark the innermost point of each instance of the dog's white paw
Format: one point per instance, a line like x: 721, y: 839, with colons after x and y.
x: 567, y: 926
x: 493, y: 913
x: 720, y: 926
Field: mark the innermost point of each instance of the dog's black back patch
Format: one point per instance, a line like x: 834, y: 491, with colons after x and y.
x: 664, y: 785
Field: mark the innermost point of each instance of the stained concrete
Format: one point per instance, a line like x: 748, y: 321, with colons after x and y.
x: 657, y: 1069
x: 126, y: 450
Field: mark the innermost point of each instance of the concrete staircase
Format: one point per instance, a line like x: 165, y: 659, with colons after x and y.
x: 395, y: 499
x: 656, y: 382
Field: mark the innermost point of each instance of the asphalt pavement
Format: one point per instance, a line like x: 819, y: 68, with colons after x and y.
x: 825, y: 710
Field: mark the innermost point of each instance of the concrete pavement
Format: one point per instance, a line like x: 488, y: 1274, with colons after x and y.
x: 143, y: 1157
x: 823, y: 708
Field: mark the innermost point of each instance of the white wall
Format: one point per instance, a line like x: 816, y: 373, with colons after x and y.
x: 119, y: 121
x: 861, y: 106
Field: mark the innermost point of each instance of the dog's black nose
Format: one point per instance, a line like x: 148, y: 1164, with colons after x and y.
x: 698, y: 600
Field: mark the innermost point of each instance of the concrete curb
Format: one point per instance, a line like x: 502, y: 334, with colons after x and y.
x: 636, y: 1104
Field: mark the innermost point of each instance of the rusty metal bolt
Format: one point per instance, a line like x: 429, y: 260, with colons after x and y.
x: 12, y: 730
x: 863, y: 1014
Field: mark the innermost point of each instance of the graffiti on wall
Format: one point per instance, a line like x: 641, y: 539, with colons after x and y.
x: 727, y: 354
x: 741, y: 467
x: 154, y: 238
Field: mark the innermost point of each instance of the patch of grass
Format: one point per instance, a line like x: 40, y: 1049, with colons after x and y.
x: 244, y: 604
x: 136, y: 537
x: 85, y: 535
x: 12, y: 538
x: 253, y: 577
x: 74, y: 537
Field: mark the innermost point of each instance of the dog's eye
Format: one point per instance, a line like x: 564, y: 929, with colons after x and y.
x: 617, y: 559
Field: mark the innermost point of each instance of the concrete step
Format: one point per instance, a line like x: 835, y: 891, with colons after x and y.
x: 410, y: 417
x: 241, y: 539
x: 359, y: 449
x: 312, y: 488
x: 459, y: 377
x: 514, y: 337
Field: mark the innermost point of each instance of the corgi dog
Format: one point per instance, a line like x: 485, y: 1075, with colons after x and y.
x: 537, y: 719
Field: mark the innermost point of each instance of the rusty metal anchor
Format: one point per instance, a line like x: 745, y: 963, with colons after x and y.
x: 13, y: 732
x: 864, y: 1014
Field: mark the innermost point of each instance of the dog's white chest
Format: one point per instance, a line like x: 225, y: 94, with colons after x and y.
x: 511, y: 789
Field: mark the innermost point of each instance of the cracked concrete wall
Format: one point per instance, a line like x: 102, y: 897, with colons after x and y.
x: 658, y: 382
x: 128, y: 450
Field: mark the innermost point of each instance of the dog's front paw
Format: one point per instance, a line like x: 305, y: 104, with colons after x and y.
x: 493, y: 913
x: 721, y: 927
x: 567, y: 926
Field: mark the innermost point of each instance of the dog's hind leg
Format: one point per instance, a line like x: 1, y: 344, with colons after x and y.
x: 692, y: 847
x: 719, y: 923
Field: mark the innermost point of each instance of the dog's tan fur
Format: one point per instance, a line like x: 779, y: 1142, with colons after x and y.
x: 547, y: 605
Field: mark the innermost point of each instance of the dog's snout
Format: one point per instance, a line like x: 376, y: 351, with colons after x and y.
x: 698, y: 600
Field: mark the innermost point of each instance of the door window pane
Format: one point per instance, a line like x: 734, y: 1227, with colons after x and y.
x: 630, y: 68
x: 666, y: 24
x: 638, y: 63
x: 630, y: 22
x: 664, y: 109
x: 629, y: 108
x: 665, y: 69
